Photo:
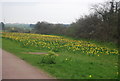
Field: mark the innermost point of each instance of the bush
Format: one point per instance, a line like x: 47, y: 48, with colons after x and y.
x: 49, y: 58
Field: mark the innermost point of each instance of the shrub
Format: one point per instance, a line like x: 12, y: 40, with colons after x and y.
x: 49, y: 58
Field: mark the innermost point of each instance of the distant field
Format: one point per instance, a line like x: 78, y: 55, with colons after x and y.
x: 66, y: 58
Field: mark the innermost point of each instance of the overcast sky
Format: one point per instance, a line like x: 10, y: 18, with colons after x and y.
x: 53, y: 11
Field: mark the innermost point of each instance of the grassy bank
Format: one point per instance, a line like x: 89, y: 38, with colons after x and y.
x: 68, y: 65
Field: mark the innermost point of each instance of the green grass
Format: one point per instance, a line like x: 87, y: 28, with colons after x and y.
x: 78, y: 66
x: 0, y: 42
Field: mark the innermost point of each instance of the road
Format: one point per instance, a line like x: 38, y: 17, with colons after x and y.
x: 15, y: 68
x: 0, y: 64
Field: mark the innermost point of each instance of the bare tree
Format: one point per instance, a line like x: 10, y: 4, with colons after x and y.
x: 102, y: 10
x: 106, y: 9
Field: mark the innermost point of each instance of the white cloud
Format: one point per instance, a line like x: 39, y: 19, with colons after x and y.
x: 1, y: 12
x: 54, y: 11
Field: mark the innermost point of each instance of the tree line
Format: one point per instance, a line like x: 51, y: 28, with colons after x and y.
x: 101, y: 24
